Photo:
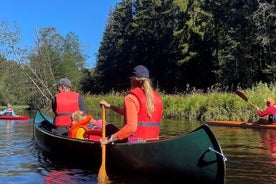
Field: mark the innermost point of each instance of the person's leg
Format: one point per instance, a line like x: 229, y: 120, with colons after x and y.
x: 60, y: 131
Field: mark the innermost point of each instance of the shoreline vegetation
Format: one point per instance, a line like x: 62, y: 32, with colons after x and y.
x: 215, y: 104
x: 196, y: 105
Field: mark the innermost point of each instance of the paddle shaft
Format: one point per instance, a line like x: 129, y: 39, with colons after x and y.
x: 240, y: 94
x: 253, y: 105
x: 102, y: 176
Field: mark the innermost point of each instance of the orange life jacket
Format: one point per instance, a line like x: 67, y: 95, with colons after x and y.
x: 72, y: 133
x: 148, y: 127
x: 67, y: 103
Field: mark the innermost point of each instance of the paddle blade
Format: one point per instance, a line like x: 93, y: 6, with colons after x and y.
x: 102, y: 176
x: 240, y: 94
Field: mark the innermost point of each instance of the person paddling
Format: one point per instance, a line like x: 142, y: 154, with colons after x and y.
x: 269, y: 112
x: 8, y: 111
x: 142, y: 110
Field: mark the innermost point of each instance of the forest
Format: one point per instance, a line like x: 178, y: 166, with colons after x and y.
x: 186, y: 45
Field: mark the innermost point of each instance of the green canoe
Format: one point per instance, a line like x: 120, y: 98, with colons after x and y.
x: 195, y: 156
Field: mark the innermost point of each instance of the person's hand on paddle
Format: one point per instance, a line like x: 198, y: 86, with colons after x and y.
x: 105, y: 104
x: 107, y: 140
x: 104, y: 140
x: 109, y: 106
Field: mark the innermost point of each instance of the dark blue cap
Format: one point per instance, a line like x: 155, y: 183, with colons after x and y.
x: 140, y: 71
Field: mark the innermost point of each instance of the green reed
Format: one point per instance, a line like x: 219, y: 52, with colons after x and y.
x: 213, y: 105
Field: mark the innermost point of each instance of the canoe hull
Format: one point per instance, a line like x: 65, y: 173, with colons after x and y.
x: 15, y: 117
x: 186, y: 156
x: 241, y: 124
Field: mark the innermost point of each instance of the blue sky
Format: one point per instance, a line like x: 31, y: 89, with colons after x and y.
x: 86, y: 18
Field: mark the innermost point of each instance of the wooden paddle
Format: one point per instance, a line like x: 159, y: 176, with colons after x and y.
x: 240, y: 94
x: 102, y: 176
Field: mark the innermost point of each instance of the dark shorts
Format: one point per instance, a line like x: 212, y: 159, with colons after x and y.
x: 60, y: 131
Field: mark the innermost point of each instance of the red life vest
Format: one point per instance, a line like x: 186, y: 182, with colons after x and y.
x: 72, y: 133
x: 148, y: 127
x: 67, y: 103
x: 94, y: 134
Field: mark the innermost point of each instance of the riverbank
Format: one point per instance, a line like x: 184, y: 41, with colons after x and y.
x: 196, y: 105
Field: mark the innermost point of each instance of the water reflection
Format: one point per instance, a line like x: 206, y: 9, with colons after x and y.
x: 68, y: 176
x: 249, y: 153
x: 267, y: 142
x: 251, y: 156
x: 8, y: 129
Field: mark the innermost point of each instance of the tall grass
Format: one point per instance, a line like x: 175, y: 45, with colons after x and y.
x: 213, y: 105
x: 92, y: 102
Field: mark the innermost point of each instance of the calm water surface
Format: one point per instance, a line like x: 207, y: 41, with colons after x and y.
x: 251, y: 156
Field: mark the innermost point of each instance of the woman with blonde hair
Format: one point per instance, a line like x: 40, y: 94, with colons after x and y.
x: 142, y: 110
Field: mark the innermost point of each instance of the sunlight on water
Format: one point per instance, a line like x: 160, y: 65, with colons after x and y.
x: 251, y: 154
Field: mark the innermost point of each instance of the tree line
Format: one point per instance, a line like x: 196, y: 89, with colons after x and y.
x: 186, y: 45
x: 189, y: 44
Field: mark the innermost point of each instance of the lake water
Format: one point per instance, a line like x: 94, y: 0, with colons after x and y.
x: 251, y: 156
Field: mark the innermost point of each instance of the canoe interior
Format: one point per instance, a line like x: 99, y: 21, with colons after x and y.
x: 188, y: 156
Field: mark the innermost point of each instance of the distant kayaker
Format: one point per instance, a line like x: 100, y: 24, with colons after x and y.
x: 142, y: 110
x: 8, y: 111
x: 64, y: 104
x: 270, y: 112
